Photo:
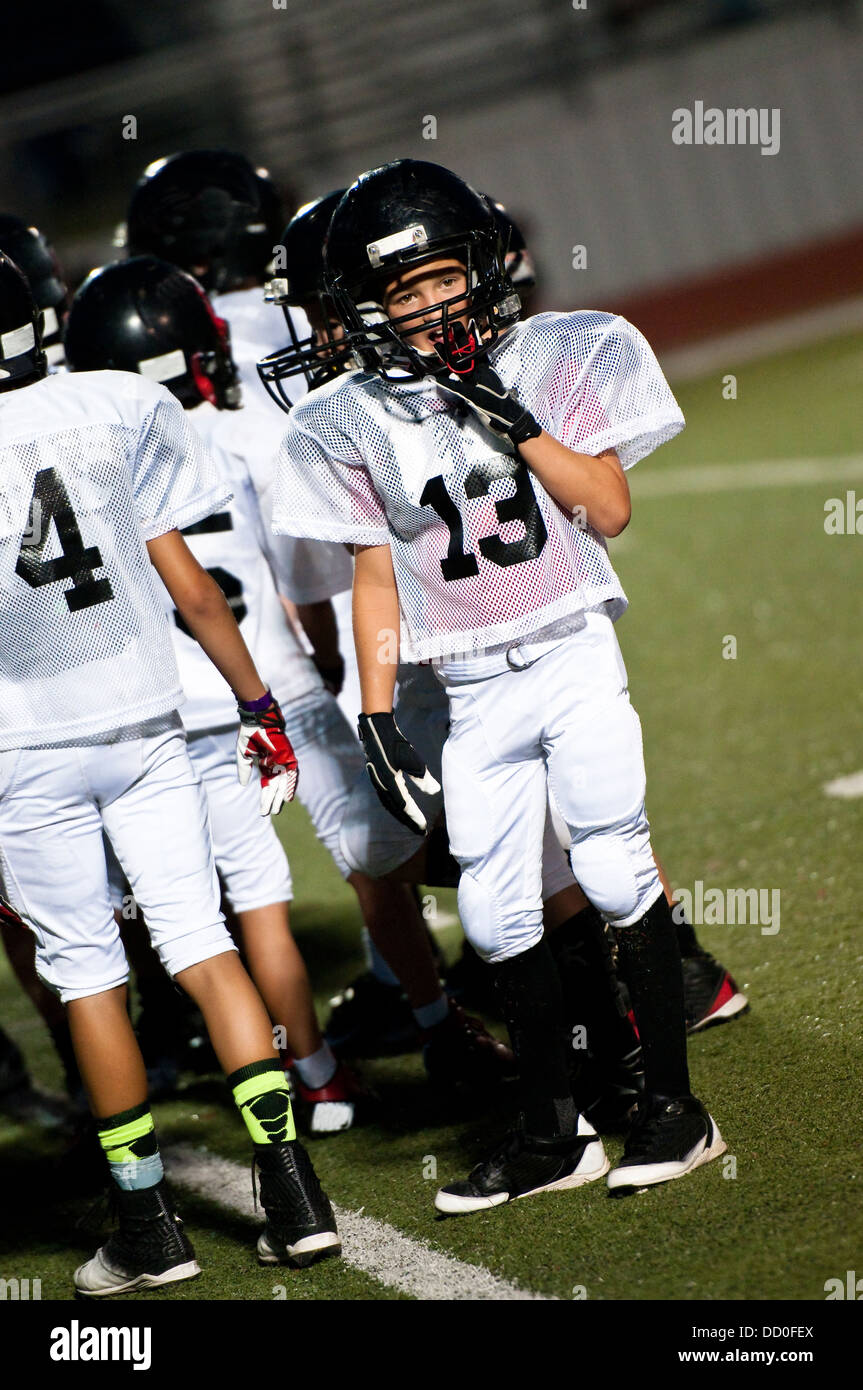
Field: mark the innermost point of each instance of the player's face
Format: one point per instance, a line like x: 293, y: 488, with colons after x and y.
x: 325, y: 331
x: 419, y: 290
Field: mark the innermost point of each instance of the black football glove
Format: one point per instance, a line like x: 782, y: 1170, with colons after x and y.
x: 396, y: 769
x: 480, y: 387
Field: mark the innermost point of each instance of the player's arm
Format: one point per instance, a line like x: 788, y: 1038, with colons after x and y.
x: 579, y: 480
x: 597, y: 484
x: 397, y: 771
x: 318, y: 621
x: 204, y: 608
x: 376, y: 626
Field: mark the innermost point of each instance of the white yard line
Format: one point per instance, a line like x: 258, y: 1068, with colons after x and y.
x: 372, y: 1246
x: 846, y: 787
x: 738, y: 477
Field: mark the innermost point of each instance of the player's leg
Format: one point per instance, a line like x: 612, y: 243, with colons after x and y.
x: 604, y: 1054
x: 257, y: 883
x: 495, y: 790
x: 159, y: 830
x: 54, y: 871
x: 356, y: 828
x: 710, y: 992
x: 596, y: 774
x: 20, y: 949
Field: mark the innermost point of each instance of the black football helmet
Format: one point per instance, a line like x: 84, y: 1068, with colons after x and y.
x: 518, y: 261
x: 22, y: 360
x: 34, y: 255
x: 203, y: 210
x: 299, y: 283
x: 401, y: 215
x: 249, y: 255
x: 146, y: 316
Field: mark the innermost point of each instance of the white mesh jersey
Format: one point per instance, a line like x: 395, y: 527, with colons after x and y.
x: 257, y: 329
x: 94, y: 464
x: 483, y: 556
x: 306, y: 572
x: 231, y: 544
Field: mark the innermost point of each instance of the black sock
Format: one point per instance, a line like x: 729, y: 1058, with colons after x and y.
x: 529, y: 993
x: 441, y: 870
x: 591, y: 990
x: 686, y: 938
x: 649, y: 962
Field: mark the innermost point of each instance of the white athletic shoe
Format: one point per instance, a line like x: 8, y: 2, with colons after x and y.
x: 524, y: 1164
x: 670, y: 1137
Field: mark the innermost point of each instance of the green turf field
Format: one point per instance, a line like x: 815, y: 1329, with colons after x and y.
x: 738, y: 751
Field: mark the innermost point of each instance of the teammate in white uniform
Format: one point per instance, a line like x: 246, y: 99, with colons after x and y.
x: 476, y: 465
x: 143, y: 310
x: 199, y: 207
x: 372, y: 839
x: 99, y: 473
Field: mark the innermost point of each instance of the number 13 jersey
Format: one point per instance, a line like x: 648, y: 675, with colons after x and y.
x: 483, y: 556
x: 92, y: 466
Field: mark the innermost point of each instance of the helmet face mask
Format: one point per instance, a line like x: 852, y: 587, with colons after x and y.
x: 395, y: 219
x: 214, y: 371
x: 324, y: 353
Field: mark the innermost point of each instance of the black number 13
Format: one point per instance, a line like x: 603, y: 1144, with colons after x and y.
x: 521, y: 506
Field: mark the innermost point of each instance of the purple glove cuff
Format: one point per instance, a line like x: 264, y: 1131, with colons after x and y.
x: 257, y: 706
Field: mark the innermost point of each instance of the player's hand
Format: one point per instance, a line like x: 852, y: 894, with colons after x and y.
x: 333, y: 676
x: 396, y: 769
x: 479, y: 385
x: 263, y: 743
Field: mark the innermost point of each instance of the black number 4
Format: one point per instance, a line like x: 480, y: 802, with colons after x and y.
x: 50, y: 502
x: 521, y: 506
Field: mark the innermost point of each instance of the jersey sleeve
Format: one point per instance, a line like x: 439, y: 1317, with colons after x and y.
x: 619, y: 399
x: 174, y: 479
x: 311, y: 571
x: 323, y: 488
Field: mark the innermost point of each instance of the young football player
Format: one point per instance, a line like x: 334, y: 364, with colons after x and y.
x: 710, y: 993
x: 606, y: 1071
x: 100, y: 473
x: 369, y: 1013
x: 477, y: 465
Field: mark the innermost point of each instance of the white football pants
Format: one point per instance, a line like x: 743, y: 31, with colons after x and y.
x: 373, y: 841
x: 563, y: 724
x: 54, y: 803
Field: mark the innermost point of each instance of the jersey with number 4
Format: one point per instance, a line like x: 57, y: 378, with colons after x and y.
x: 483, y: 556
x: 232, y: 545
x: 93, y: 466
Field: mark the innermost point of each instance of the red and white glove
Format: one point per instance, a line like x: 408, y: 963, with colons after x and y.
x: 263, y: 743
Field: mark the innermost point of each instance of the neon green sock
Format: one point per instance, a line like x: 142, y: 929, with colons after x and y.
x: 129, y: 1143
x: 264, y: 1101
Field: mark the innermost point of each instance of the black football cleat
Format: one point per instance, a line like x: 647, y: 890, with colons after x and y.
x: 671, y: 1137
x: 523, y: 1165
x: 710, y: 993
x: 460, y: 1051
x: 148, y: 1250
x: 370, y: 1019
x: 300, y: 1225
x: 606, y: 1090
